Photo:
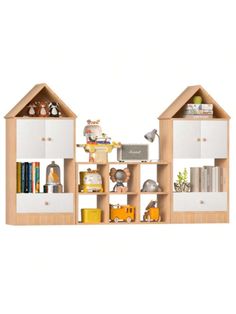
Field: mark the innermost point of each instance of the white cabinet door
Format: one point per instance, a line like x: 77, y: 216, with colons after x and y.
x: 214, y: 139
x: 30, y: 136
x: 59, y: 139
x: 187, y: 139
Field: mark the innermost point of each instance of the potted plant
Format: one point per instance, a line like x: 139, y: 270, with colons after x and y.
x: 182, y: 184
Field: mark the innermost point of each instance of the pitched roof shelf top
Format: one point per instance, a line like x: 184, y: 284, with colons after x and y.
x: 40, y: 92
x: 176, y: 109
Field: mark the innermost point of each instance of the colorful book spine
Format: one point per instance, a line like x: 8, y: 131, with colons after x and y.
x: 18, y: 177
x: 33, y: 177
x: 26, y: 189
x: 30, y: 178
x: 22, y: 177
x: 37, y: 177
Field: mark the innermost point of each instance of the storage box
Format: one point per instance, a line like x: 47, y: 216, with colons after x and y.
x: 91, y: 215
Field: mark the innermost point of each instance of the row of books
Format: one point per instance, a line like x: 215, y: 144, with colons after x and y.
x: 198, y: 111
x: 27, y: 177
x: 208, y: 179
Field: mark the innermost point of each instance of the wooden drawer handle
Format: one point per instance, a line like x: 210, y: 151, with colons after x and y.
x: 43, y: 139
x: 49, y: 139
x: 204, y: 139
x: 46, y: 203
x: 201, y: 202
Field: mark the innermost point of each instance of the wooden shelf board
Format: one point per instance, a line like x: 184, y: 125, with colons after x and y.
x: 157, y: 193
x: 89, y: 163
x: 160, y: 162
x: 92, y: 193
x: 122, y: 223
x: 123, y: 193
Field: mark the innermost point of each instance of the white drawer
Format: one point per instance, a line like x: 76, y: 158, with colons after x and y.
x: 200, y: 201
x: 44, y: 203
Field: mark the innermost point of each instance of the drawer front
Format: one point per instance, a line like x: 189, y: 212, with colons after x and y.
x: 187, y: 202
x: 44, y: 203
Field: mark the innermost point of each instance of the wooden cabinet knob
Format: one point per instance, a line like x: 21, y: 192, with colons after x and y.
x: 204, y: 139
x: 198, y: 139
x: 201, y: 202
x: 43, y: 139
x: 49, y: 139
x: 46, y: 203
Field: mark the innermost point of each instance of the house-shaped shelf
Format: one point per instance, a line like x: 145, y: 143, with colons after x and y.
x: 40, y: 92
x: 176, y: 109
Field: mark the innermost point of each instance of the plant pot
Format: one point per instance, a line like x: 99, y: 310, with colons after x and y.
x: 182, y: 187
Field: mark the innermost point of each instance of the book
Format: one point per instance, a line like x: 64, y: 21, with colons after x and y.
x: 18, y: 177
x: 223, y: 181
x: 22, y: 177
x: 33, y: 178
x: 26, y: 185
x: 195, y: 179
x: 30, y: 178
x: 37, y: 177
x: 209, y: 178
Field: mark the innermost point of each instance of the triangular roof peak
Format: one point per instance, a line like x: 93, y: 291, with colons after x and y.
x: 186, y: 96
x: 39, y: 92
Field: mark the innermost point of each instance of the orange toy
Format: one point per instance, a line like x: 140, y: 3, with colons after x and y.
x: 122, y: 213
x: 152, y: 213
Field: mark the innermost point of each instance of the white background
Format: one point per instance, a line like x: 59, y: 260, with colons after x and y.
x: 123, y: 62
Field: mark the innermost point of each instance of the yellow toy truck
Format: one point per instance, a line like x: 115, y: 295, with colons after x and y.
x: 152, y: 212
x: 122, y: 213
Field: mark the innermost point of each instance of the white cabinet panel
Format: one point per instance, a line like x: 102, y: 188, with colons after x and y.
x: 186, y: 139
x: 200, y: 201
x: 59, y: 139
x: 30, y: 138
x: 214, y: 139
x: 44, y: 203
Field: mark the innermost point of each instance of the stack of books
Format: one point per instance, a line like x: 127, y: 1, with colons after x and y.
x: 198, y: 111
x: 208, y: 179
x: 27, y: 177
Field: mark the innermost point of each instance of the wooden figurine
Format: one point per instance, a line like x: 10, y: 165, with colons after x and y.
x: 42, y: 109
x: 54, y: 109
x: 119, y: 176
x: 32, y: 110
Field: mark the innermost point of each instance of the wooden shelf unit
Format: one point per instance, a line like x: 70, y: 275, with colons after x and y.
x: 39, y: 139
x: 64, y: 208
x: 197, y: 138
x: 133, y: 195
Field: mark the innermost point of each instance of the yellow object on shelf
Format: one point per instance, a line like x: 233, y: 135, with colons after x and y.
x: 91, y: 215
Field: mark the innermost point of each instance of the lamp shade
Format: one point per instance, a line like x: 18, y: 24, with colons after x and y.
x: 150, y: 136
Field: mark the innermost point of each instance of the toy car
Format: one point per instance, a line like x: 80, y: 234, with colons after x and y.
x: 152, y: 213
x: 122, y: 213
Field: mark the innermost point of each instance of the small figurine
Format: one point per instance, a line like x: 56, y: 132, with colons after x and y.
x: 151, y: 186
x: 119, y: 176
x: 122, y: 213
x: 42, y: 109
x: 152, y: 212
x: 54, y: 109
x: 92, y: 131
x: 32, y: 110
